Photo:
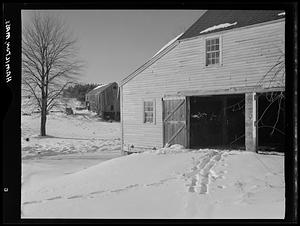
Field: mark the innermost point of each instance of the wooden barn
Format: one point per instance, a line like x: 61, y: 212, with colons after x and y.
x: 105, y: 101
x: 211, y: 86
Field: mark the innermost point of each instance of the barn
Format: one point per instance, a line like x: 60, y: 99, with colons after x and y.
x: 105, y: 101
x: 220, y: 84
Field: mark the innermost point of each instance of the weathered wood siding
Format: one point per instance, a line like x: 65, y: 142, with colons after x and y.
x: 92, y: 99
x: 247, y: 55
x: 105, y: 100
x: 174, y: 115
x: 108, y: 98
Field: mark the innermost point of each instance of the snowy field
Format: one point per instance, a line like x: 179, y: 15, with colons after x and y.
x: 78, y: 172
x: 67, y: 134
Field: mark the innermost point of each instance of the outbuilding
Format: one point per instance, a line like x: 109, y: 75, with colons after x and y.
x: 105, y: 101
x: 220, y: 84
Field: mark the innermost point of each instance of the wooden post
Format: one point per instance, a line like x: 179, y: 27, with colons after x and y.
x: 250, y: 122
x: 122, y: 121
x: 163, y: 124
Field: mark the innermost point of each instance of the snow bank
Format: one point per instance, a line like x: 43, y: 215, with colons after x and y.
x: 176, y: 148
x: 206, y: 184
x: 216, y: 27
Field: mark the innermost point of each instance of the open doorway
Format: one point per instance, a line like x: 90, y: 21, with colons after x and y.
x: 271, y: 121
x: 217, y: 121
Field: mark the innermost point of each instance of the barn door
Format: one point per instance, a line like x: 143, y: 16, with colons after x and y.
x: 175, y: 121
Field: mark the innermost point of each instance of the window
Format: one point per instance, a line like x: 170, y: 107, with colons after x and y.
x: 212, y: 52
x: 148, y: 111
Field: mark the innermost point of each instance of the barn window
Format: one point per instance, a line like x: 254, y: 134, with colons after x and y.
x: 149, y: 112
x: 212, y: 51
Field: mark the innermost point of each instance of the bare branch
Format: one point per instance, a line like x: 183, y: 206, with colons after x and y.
x: 33, y: 92
x: 267, y: 108
x: 272, y: 127
x: 56, y: 93
x: 48, y: 60
x: 277, y: 118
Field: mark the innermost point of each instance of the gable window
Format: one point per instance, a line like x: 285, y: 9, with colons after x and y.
x: 148, y: 111
x: 212, y: 51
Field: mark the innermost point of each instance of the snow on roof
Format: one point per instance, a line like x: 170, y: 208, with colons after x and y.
x: 98, y: 89
x: 218, y: 27
x: 281, y: 14
x: 99, y: 86
x: 168, y: 44
x: 242, y: 17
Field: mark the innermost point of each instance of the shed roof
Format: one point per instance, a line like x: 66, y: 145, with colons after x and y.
x: 213, y: 21
x: 100, y: 88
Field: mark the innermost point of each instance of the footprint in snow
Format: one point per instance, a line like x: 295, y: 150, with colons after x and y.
x: 217, y: 157
x: 194, y: 168
x: 119, y: 190
x: 31, y: 202
x: 221, y: 186
x: 75, y: 197
x: 202, y: 189
x: 53, y: 198
x: 97, y: 192
x: 222, y: 172
x: 131, y: 186
x: 191, y: 189
x: 154, y: 184
x: 201, y: 172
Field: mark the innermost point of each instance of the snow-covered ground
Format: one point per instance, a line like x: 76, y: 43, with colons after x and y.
x: 74, y: 142
x: 77, y: 172
x: 68, y: 134
x: 79, y: 133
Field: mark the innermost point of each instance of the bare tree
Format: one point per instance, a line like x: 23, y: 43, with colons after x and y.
x: 49, y: 62
x: 274, y: 77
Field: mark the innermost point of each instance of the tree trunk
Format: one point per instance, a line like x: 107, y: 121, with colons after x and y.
x: 43, y: 117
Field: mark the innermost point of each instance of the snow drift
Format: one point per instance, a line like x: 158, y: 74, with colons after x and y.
x: 168, y: 183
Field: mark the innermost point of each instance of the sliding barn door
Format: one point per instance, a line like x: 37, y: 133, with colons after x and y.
x: 175, y: 121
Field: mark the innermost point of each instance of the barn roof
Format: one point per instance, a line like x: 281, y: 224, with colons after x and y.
x: 100, y: 88
x: 220, y: 20
x: 214, y: 21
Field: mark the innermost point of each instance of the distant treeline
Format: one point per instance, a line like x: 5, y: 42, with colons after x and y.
x: 78, y: 91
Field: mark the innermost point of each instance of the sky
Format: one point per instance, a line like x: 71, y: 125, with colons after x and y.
x: 114, y: 43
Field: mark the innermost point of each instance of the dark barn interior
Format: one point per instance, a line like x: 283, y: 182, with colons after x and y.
x: 217, y: 121
x: 271, y: 121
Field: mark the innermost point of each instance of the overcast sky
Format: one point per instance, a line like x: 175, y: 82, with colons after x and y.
x: 114, y: 43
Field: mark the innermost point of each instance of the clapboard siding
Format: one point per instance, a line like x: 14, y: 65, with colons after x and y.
x: 247, y: 55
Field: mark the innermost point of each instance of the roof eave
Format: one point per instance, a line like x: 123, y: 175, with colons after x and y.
x: 149, y: 63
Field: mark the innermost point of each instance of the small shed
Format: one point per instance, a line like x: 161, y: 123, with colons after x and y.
x: 105, y: 101
x: 208, y: 86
